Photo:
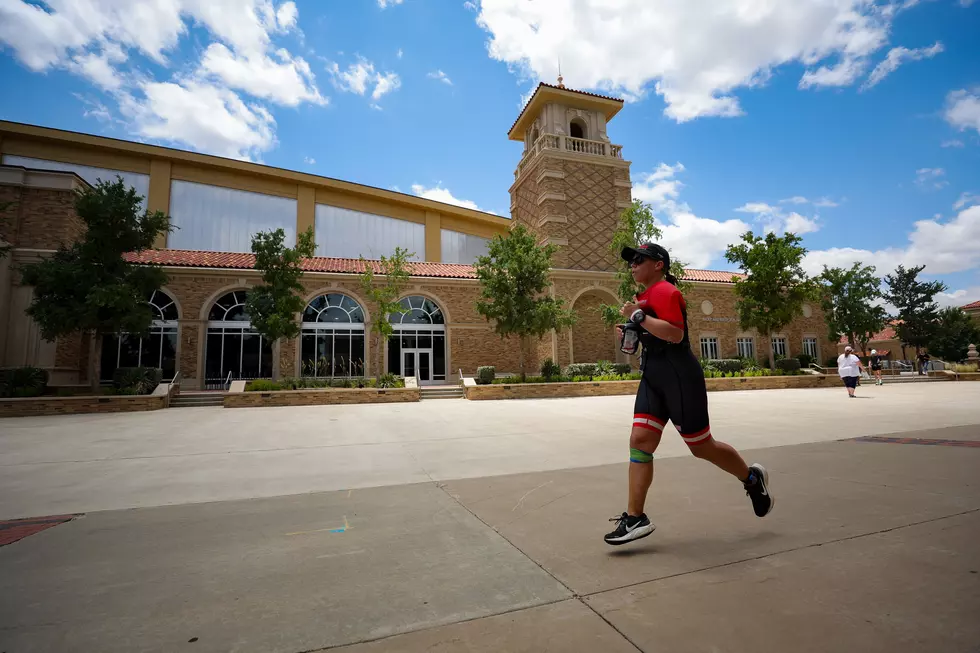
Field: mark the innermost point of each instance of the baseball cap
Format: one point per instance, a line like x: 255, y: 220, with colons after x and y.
x: 649, y: 250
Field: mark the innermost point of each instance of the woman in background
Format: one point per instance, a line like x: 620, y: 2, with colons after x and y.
x: 849, y: 367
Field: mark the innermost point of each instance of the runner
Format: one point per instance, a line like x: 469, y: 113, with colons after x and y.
x: 849, y: 368
x: 672, y: 388
x: 876, y: 366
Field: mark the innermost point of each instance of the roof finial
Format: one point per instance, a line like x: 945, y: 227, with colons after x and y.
x: 560, y: 84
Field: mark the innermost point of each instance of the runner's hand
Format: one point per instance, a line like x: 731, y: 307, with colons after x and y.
x: 628, y: 309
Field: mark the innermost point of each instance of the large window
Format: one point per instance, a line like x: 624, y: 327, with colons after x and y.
x: 462, y: 248
x: 216, y: 219
x: 139, y: 181
x: 233, y: 346
x: 333, y: 337
x: 343, y: 233
x: 746, y: 347
x: 419, y: 341
x: 779, y: 346
x: 157, y: 349
x: 709, y: 347
x: 810, y: 346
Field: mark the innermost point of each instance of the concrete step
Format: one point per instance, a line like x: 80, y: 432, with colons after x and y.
x: 910, y: 379
x: 442, y: 392
x: 197, y: 400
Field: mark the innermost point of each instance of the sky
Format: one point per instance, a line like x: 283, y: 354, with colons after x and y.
x: 854, y: 124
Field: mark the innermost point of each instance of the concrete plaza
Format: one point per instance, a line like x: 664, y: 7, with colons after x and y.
x: 459, y: 526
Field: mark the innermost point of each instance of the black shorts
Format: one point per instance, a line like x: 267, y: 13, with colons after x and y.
x: 850, y: 381
x: 672, y: 388
x: 876, y: 368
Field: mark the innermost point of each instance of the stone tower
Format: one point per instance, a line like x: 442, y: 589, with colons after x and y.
x: 572, y: 182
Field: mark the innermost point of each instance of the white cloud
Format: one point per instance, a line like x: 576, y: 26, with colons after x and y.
x: 399, y: 54
x: 695, y: 55
x: 360, y: 76
x: 439, y: 194
x: 930, y: 178
x: 470, y: 5
x: 966, y: 199
x: 384, y: 4
x: 896, y: 57
x: 958, y: 298
x: 942, y: 247
x: 95, y: 38
x: 955, y: 142
x: 775, y: 220
x: 441, y: 76
x: 284, y: 80
x: 796, y: 199
x: 825, y: 202
x: 212, y: 118
x: 308, y: 160
x: 963, y: 109
x: 692, y: 239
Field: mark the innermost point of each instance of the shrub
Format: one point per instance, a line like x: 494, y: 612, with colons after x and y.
x: 550, y: 369
x: 728, y: 364
x: 790, y: 365
x: 805, y: 360
x: 23, y: 381
x: 485, y: 374
x: 964, y: 369
x: 389, y: 381
x: 262, y: 385
x: 137, y: 380
x: 603, y: 368
x: 581, y: 369
x: 622, y: 368
x: 831, y: 362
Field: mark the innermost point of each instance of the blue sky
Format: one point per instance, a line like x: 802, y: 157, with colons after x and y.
x: 852, y: 122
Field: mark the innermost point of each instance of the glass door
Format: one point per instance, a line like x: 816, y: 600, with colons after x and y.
x: 420, y: 360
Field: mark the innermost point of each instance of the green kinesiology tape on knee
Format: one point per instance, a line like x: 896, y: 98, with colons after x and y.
x: 637, y: 456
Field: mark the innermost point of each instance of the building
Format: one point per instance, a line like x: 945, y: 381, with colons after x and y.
x: 972, y: 309
x: 570, y: 185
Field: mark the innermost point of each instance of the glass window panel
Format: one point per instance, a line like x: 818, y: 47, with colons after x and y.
x: 212, y: 354
x: 308, y: 354
x: 408, y: 367
x: 409, y: 341
x: 342, y: 356
x: 425, y: 341
x: 266, y: 369
x: 344, y: 233
x: 462, y: 248
x: 394, y: 355
x: 424, y: 366
x: 357, y: 354
x: 110, y: 357
x: 150, y: 350
x: 139, y: 181
x: 334, y: 314
x: 218, y: 219
x: 129, y: 352
x: 251, y: 351
x: 439, y: 355
x: 168, y: 357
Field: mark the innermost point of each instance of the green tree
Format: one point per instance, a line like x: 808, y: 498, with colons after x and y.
x: 384, y: 294
x: 272, y: 307
x: 955, y: 332
x: 848, y: 299
x: 917, y: 310
x: 637, y: 224
x: 89, y: 286
x: 514, y: 289
x: 773, y: 292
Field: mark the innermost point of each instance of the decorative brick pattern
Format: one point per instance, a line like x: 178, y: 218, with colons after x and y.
x: 40, y: 218
x: 592, y: 214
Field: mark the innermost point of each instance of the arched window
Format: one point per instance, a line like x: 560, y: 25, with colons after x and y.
x: 157, y: 349
x: 333, y: 337
x: 578, y: 129
x: 419, y: 341
x: 233, y: 346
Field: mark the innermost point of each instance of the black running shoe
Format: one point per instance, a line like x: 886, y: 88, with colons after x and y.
x: 628, y: 529
x: 757, y: 487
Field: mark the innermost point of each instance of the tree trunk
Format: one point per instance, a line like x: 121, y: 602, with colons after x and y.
x: 378, y: 354
x: 772, y: 354
x: 521, y: 358
x: 94, y: 357
x: 276, y: 363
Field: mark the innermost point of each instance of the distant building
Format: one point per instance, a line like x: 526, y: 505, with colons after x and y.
x: 570, y: 186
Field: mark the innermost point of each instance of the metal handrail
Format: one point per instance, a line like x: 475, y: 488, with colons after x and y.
x: 228, y: 381
x: 461, y: 376
x: 176, y: 379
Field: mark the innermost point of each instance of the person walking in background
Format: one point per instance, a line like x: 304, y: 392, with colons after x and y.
x: 876, y: 366
x: 849, y: 367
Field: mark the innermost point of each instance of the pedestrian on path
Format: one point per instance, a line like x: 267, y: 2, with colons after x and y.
x: 849, y: 367
x: 876, y: 366
x: 671, y: 388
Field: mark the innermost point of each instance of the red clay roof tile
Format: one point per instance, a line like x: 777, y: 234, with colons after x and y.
x: 975, y: 304
x: 241, y: 261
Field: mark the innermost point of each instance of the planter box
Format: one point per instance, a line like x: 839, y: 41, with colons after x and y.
x: 27, y: 406
x: 604, y: 388
x: 967, y: 376
x: 322, y: 397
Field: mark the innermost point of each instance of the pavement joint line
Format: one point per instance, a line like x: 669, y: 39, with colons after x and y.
x: 776, y: 553
x: 370, y: 640
x: 837, y: 479
x: 575, y: 595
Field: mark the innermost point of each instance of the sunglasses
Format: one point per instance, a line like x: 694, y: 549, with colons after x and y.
x: 639, y: 259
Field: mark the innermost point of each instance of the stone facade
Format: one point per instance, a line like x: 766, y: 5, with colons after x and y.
x: 321, y: 397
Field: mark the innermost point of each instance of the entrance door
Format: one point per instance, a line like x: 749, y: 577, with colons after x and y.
x: 417, y: 360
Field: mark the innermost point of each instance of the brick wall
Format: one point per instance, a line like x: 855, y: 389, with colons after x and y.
x: 40, y: 218
x: 32, y: 406
x: 592, y: 340
x: 321, y: 397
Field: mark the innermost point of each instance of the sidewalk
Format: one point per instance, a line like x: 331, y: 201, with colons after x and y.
x: 872, y: 546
